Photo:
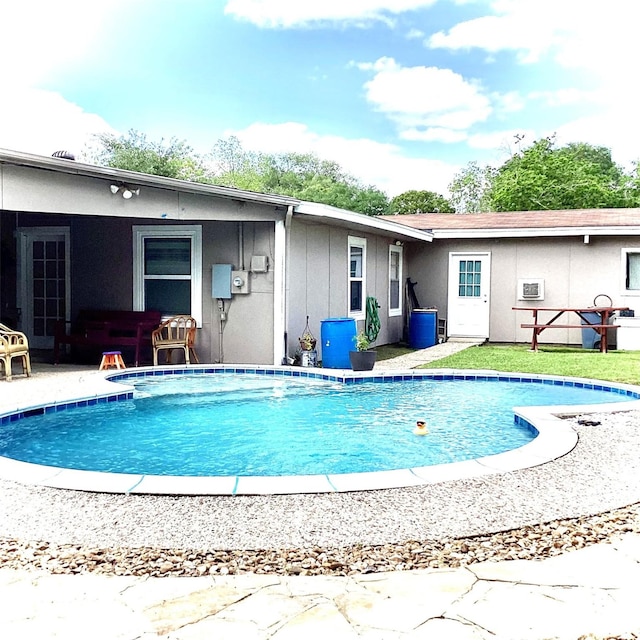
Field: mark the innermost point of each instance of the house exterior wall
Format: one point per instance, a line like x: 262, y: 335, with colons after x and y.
x: 318, y: 281
x: 101, y: 254
x: 37, y: 190
x: 574, y: 273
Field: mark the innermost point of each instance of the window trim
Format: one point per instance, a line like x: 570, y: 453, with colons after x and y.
x: 624, y: 274
x: 191, y: 231
x: 354, y: 241
x: 396, y: 249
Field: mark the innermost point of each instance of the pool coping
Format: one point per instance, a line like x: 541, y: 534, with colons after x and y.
x: 555, y: 436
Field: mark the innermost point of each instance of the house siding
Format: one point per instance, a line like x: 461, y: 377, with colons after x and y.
x: 318, y: 282
x: 575, y: 272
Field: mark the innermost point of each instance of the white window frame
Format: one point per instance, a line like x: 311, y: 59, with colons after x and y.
x: 396, y: 250
x: 354, y: 241
x: 191, y: 231
x: 624, y: 276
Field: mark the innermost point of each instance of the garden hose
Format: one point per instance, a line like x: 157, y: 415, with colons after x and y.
x: 372, y: 320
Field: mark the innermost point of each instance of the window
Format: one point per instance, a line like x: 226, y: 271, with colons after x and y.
x: 631, y: 270
x: 395, y: 280
x: 469, y: 272
x: 167, y: 269
x: 357, y: 276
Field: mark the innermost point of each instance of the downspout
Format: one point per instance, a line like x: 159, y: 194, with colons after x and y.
x: 240, y: 246
x: 287, y: 271
x: 282, y: 232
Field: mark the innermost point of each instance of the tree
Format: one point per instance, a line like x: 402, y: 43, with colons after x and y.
x: 470, y: 187
x: 420, y: 202
x: 300, y: 175
x: 576, y: 176
x: 134, y: 152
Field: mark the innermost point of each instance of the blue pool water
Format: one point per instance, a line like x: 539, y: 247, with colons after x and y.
x: 211, y: 425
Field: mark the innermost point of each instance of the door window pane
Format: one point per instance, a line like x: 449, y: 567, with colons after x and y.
x: 469, y: 278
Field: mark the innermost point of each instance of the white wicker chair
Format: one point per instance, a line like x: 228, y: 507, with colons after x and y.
x: 14, y: 344
x: 178, y: 332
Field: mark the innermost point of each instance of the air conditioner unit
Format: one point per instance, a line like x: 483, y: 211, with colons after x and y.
x: 531, y: 289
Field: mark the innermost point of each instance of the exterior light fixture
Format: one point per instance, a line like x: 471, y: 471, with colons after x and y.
x: 126, y: 190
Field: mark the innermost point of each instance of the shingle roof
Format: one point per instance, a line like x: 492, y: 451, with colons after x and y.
x: 577, y: 219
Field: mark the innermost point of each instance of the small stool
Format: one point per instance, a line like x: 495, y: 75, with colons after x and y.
x: 112, y: 360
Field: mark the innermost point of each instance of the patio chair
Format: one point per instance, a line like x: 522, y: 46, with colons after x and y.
x: 178, y: 332
x: 14, y: 344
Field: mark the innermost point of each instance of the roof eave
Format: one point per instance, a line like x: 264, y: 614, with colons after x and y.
x: 62, y: 165
x: 373, y: 224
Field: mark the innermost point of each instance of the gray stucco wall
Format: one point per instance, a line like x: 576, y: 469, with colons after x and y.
x: 318, y: 281
x: 574, y: 273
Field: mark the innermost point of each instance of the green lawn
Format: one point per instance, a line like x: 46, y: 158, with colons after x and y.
x: 616, y: 366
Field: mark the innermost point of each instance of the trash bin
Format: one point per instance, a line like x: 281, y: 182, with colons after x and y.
x: 423, y: 328
x: 590, y: 337
x: 336, y: 335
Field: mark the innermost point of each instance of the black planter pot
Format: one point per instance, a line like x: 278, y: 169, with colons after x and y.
x: 362, y: 360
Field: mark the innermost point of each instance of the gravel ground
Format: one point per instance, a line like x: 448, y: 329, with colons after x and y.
x: 585, y: 497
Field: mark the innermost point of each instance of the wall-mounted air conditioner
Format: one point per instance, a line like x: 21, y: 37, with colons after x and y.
x: 531, y: 289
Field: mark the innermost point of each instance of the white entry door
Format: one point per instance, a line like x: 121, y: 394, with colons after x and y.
x: 468, y: 299
x: 43, y: 282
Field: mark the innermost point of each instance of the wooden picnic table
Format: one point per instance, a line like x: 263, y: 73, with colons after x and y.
x: 601, y: 325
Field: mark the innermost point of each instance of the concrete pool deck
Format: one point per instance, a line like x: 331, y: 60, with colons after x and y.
x: 588, y: 591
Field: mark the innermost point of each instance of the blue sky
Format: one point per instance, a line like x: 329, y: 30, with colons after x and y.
x: 402, y: 93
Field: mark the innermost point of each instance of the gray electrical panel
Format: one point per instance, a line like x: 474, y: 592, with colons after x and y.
x: 221, y: 281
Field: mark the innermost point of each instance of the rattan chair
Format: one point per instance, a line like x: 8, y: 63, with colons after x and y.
x: 14, y: 344
x: 178, y: 332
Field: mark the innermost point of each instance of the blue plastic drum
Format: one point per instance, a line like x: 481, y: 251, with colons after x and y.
x: 336, y: 335
x: 423, y: 328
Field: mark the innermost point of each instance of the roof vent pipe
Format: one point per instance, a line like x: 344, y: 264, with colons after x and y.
x: 67, y: 155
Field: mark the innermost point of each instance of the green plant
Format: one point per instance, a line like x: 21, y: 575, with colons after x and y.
x: 362, y: 341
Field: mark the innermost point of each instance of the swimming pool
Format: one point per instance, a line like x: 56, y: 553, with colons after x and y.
x: 369, y: 408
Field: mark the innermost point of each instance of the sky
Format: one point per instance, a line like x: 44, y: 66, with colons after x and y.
x: 403, y: 94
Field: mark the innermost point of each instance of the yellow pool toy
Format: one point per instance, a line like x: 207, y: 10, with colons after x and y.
x: 421, y: 428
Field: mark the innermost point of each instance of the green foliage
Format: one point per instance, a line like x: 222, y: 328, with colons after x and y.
x: 411, y: 202
x: 300, y: 175
x: 303, y: 176
x: 361, y: 341
x: 134, y: 152
x: 470, y: 188
x: 616, y: 366
x: 576, y: 176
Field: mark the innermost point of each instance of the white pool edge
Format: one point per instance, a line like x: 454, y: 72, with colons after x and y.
x: 555, y: 439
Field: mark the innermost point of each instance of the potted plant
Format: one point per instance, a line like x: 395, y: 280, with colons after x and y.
x: 362, y: 359
x: 306, y: 340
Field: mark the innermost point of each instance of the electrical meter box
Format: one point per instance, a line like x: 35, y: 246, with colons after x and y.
x: 221, y: 281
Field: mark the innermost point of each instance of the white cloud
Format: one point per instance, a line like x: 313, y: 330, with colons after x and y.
x: 41, y: 35
x: 434, y: 134
x: 297, y: 13
x: 425, y: 97
x: 382, y: 165
x: 37, y: 121
x: 415, y: 34
x: 580, y: 34
x: 504, y: 142
x: 614, y: 128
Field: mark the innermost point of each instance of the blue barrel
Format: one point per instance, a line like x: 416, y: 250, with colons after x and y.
x: 336, y: 335
x: 423, y: 328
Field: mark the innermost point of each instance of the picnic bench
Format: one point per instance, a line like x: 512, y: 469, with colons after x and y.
x: 107, y: 328
x: 601, y: 325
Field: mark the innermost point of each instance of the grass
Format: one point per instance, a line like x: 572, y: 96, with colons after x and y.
x: 615, y: 366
